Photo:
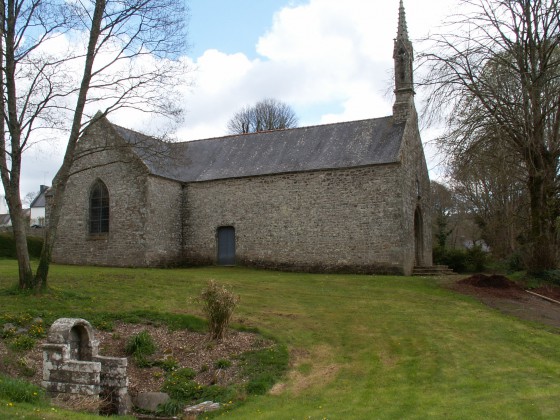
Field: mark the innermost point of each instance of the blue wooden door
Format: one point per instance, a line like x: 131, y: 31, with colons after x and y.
x: 226, y: 245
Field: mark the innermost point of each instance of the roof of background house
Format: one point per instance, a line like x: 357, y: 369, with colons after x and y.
x: 40, y: 200
x: 4, y: 219
x: 331, y: 146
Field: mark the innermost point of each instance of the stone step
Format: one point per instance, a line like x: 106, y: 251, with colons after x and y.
x: 435, y: 270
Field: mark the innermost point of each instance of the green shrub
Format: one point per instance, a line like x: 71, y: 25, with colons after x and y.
x: 218, y: 305
x: 16, y: 390
x: 551, y: 276
x: 476, y: 259
x: 222, y: 364
x: 462, y: 260
x: 456, y: 259
x: 219, y: 394
x: 169, y: 364
x: 21, y: 343
x: 34, y: 245
x: 185, y: 390
x: 170, y: 408
x: 182, y: 390
x: 182, y: 375
x: 515, y: 262
x: 7, y: 332
x: 37, y: 330
x: 8, y: 246
x: 180, y: 386
x: 140, y: 345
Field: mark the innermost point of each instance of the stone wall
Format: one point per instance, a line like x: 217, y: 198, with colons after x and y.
x: 125, y: 178
x: 338, y: 220
x: 346, y: 220
x: 415, y: 196
x: 163, y: 233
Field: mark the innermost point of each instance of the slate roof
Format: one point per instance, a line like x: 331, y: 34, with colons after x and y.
x: 330, y: 146
x: 40, y: 200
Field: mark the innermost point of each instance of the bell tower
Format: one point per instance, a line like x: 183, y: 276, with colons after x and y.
x: 403, y: 56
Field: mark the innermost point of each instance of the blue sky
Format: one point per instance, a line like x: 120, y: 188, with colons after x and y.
x: 230, y: 26
x: 331, y: 60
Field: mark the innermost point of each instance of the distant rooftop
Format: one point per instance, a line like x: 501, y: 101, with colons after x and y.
x: 40, y: 200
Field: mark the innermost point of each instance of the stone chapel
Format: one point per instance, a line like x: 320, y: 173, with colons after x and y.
x: 345, y: 197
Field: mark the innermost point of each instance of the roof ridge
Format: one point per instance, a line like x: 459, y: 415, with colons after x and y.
x: 250, y: 134
x: 282, y: 129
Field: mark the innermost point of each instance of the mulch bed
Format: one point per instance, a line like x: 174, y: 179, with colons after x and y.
x: 495, y: 280
x: 550, y: 291
x: 494, y: 285
x: 507, y: 296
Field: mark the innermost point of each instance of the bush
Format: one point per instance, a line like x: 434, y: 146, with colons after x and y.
x: 456, y: 259
x: 222, y: 364
x: 21, y: 343
x: 218, y: 305
x: 462, y: 260
x: 476, y: 259
x: 182, y: 389
x: 140, y: 345
x: 169, y: 364
x: 551, y: 276
x: 170, y: 408
x: 515, y: 262
x: 8, y: 246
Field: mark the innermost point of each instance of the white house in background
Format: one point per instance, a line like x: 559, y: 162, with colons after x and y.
x: 37, y: 208
x: 4, y: 216
x: 3, y: 205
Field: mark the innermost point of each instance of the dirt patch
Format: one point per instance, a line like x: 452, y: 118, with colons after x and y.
x: 308, y: 369
x: 507, y: 296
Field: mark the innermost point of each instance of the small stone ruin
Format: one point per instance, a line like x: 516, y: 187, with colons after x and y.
x: 72, y: 366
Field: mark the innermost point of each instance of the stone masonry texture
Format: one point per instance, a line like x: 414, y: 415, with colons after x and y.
x: 341, y: 220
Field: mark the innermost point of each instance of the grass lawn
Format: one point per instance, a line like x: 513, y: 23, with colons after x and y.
x: 362, y: 346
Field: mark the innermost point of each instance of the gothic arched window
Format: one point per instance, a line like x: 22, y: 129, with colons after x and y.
x: 99, y: 208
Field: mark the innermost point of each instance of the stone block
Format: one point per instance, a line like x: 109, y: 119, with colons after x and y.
x: 150, y: 400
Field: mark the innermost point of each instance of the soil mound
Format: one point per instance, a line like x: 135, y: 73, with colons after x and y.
x: 494, y: 281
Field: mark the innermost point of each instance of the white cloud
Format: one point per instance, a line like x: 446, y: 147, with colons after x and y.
x: 324, y: 52
x: 331, y: 60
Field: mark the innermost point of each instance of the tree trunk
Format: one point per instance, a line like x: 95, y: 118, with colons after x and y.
x: 543, y: 252
x: 10, y: 172
x: 19, y: 228
x: 50, y: 234
x: 61, y: 178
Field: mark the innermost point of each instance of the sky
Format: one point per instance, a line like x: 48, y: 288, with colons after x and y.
x: 331, y: 60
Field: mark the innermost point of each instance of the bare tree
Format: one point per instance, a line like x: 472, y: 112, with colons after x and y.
x: 29, y: 197
x: 443, y: 209
x: 497, y: 68
x: 268, y: 114
x: 128, y: 59
x: 487, y: 181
